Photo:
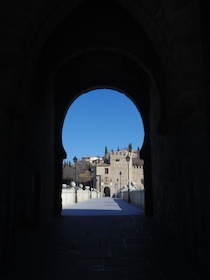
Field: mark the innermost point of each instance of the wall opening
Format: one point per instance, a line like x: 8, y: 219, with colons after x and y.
x: 106, y: 191
x: 99, y: 125
x: 101, y: 118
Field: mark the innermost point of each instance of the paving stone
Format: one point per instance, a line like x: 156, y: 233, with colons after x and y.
x: 125, y: 247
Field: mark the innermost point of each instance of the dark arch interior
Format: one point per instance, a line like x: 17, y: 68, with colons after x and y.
x: 106, y: 191
x: 155, y: 51
x: 112, y: 50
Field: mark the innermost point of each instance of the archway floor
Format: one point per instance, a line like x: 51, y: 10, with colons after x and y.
x: 128, y: 246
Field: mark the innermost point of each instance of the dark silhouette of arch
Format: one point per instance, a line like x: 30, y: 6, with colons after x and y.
x: 155, y: 52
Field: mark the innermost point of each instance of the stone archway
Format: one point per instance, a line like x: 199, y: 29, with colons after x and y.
x: 73, y: 71
x: 107, y: 191
x: 156, y: 52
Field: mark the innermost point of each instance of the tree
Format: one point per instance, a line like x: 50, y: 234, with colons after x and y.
x: 106, y: 150
x: 65, y: 163
x: 138, y: 152
x: 130, y: 147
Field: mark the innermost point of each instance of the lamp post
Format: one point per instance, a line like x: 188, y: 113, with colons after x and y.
x: 128, y: 160
x: 91, y: 188
x: 120, y: 182
x: 75, y: 162
x: 91, y: 183
x: 98, y: 183
x: 117, y: 185
x: 102, y: 185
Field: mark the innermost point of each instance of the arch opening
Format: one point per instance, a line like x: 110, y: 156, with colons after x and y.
x: 100, y: 127
x: 72, y: 65
x: 101, y: 117
x: 107, y: 191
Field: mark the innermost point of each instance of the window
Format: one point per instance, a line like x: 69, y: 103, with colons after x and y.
x: 106, y: 170
x: 117, y: 159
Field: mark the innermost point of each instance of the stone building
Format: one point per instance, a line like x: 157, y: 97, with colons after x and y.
x: 115, y: 172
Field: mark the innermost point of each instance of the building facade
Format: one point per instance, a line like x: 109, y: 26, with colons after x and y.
x: 117, y: 170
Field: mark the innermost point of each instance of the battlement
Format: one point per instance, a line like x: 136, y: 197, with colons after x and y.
x: 123, y: 153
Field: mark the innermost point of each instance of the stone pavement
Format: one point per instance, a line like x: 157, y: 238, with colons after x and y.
x: 101, y: 239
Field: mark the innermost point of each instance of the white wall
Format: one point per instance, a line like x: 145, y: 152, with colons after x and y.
x: 136, y: 197
x: 68, y: 195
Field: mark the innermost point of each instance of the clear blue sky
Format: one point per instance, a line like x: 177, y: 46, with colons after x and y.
x: 100, y: 118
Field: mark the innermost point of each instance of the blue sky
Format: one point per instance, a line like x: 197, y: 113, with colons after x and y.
x: 100, y: 118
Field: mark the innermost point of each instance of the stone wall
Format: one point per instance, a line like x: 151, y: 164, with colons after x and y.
x: 136, y: 197
x: 138, y: 176
x: 118, y: 164
x: 68, y: 195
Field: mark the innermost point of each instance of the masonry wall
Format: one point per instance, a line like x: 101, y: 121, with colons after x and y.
x: 179, y: 165
x: 138, y: 176
x: 137, y: 197
x: 118, y: 165
x: 68, y: 196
